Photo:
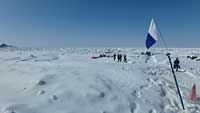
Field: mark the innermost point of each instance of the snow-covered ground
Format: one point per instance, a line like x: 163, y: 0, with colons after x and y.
x: 69, y: 81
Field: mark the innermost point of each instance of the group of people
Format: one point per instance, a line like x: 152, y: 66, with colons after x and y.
x: 119, y: 57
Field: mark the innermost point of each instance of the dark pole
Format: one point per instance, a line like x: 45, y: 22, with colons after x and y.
x: 168, y: 55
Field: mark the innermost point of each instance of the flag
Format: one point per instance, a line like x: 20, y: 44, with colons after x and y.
x: 153, y: 34
x: 192, y: 96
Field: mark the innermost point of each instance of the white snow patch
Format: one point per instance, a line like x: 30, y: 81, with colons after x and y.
x: 69, y: 81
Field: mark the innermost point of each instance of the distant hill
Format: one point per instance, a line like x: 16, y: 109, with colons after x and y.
x: 5, y: 46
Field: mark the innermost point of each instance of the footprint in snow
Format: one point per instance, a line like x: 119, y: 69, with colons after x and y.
x: 151, y: 81
x: 146, y: 86
x: 52, y: 99
x: 133, y: 107
x: 163, y: 92
x: 136, y: 94
x: 152, y: 111
x: 41, y: 92
x: 176, y: 104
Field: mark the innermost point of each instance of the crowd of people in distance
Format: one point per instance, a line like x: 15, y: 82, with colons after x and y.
x: 123, y: 58
x: 119, y: 58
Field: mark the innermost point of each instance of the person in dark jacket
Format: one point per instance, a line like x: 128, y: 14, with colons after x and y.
x: 114, y: 57
x: 125, y: 58
x: 120, y: 57
x: 176, y: 64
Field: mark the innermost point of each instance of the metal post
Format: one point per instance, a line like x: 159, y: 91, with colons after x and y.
x: 168, y: 55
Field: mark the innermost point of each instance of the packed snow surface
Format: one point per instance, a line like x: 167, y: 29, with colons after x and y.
x: 70, y: 81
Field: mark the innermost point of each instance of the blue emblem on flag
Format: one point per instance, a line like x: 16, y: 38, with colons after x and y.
x: 153, y: 35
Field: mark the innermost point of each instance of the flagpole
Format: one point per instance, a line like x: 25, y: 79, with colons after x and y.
x: 179, y: 93
x: 172, y: 69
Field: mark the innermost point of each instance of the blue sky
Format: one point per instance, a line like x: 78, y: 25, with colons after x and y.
x: 98, y: 23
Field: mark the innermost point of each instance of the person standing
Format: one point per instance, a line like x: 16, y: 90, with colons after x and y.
x: 125, y: 58
x: 120, y: 57
x: 177, y: 64
x: 114, y: 57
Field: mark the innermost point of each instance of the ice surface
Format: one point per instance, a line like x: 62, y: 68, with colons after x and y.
x: 75, y: 83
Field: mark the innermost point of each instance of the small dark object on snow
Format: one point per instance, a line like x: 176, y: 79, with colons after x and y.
x: 191, y: 68
x: 193, y: 57
x: 102, y: 95
x: 148, y: 53
x: 197, y: 59
x: 102, y: 55
x: 142, y: 53
x: 32, y: 56
x: 41, y: 82
x: 54, y: 97
x: 41, y: 92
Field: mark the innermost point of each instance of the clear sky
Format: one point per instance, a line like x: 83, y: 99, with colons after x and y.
x: 98, y: 23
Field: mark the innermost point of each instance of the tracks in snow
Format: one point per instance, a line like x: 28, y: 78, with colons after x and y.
x: 168, y: 92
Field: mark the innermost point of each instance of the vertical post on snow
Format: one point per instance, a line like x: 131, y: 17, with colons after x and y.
x: 179, y: 93
x: 172, y: 69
